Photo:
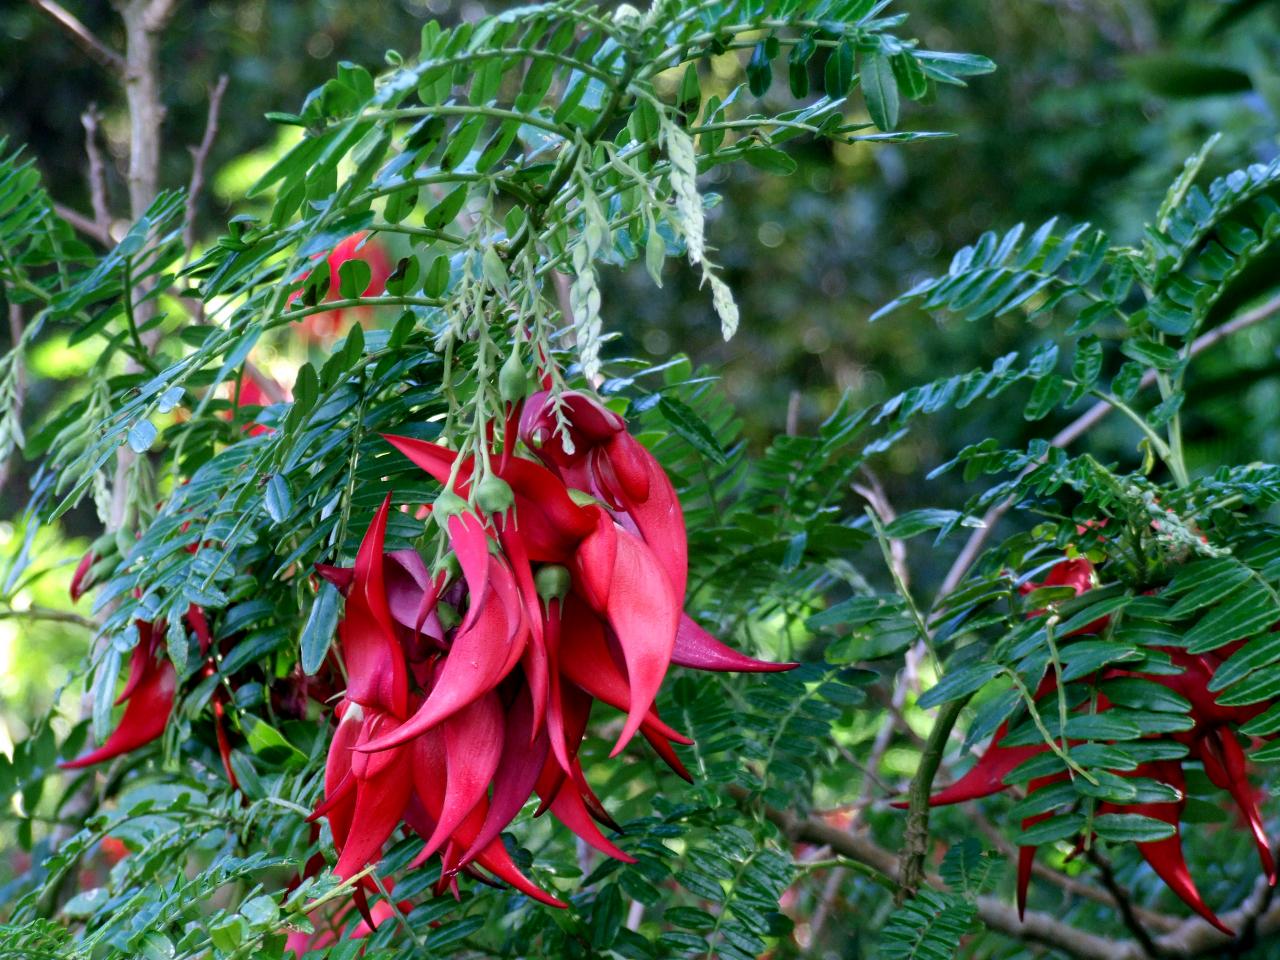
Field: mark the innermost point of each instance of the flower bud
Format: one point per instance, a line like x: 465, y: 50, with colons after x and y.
x: 448, y: 616
x: 552, y: 582
x: 494, y: 495
x: 447, y: 505
x: 513, y: 380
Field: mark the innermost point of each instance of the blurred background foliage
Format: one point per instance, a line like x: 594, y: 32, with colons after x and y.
x: 1094, y: 107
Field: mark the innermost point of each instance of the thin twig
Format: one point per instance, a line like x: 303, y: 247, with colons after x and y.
x: 1124, y: 903
x: 96, y: 174
x: 915, y: 841
x: 793, y: 413
x: 81, y: 35
x: 47, y: 613
x: 873, y: 492
x: 199, y: 159
x: 85, y: 225
x: 1081, y: 425
x: 143, y: 22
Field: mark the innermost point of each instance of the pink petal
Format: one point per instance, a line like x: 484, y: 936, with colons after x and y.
x: 376, y: 675
x: 699, y: 650
x: 585, y: 661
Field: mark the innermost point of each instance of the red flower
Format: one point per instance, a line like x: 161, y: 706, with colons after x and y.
x: 1211, y: 740
x: 322, y: 327
x: 251, y: 393
x: 148, y: 697
x: 1077, y: 574
x: 451, y: 722
x: 82, y: 580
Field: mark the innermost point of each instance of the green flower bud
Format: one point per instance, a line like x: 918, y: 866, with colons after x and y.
x: 552, y: 582
x: 448, y: 615
x: 513, y: 380
x: 494, y: 495
x: 447, y: 505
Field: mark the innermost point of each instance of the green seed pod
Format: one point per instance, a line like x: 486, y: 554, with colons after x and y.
x: 448, y: 615
x: 552, y: 582
x: 513, y: 379
x: 447, y: 505
x: 494, y: 495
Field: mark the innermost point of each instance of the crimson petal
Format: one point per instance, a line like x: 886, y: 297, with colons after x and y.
x: 699, y: 650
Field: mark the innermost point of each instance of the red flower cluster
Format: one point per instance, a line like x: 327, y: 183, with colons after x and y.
x: 1211, y: 740
x: 149, y: 691
x: 469, y: 687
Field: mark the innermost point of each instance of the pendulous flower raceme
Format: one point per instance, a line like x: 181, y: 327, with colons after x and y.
x: 469, y: 684
x: 1159, y: 784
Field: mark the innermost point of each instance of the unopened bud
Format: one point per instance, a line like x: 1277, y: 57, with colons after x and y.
x: 513, y: 380
x: 447, y: 505
x: 552, y: 582
x: 494, y: 495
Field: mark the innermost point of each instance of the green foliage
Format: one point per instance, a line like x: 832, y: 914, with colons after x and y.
x: 529, y: 143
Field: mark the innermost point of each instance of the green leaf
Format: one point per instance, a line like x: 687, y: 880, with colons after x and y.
x: 1047, y: 394
x: 956, y: 684
x: 277, y: 499
x: 265, y: 740
x: 969, y: 869
x: 929, y: 926
x: 880, y: 89
x: 759, y: 70
x: 1131, y: 828
x: 354, y: 276
x: 436, y: 281
x: 1141, y: 694
x: 910, y: 78
x: 690, y: 427
x: 915, y: 522
x: 838, y: 74
x: 1051, y: 830
x: 1247, y: 610
x: 320, y: 627
x: 1205, y: 582
x: 1153, y: 354
x: 770, y: 161
x: 798, y: 67
x: 141, y: 436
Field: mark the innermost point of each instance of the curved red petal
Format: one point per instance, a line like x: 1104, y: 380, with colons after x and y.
x: 473, y: 747
x: 699, y: 650
x: 643, y: 613
x: 144, y: 718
